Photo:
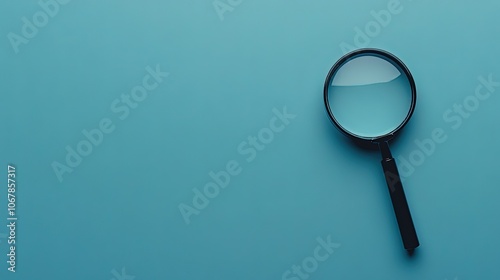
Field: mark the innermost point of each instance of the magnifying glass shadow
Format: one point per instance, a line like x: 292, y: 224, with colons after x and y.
x: 363, y: 147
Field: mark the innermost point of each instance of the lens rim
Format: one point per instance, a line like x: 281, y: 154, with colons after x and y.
x: 389, y: 57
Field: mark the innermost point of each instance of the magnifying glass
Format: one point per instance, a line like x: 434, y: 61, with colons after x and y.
x: 370, y: 95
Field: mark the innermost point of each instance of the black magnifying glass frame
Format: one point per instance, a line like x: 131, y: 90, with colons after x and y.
x: 400, y: 205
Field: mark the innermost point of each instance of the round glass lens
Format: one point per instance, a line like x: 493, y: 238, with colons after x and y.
x: 369, y: 96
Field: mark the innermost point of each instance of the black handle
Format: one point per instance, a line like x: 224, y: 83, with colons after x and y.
x: 401, y: 209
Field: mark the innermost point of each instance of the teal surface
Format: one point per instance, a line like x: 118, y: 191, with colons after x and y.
x: 189, y: 140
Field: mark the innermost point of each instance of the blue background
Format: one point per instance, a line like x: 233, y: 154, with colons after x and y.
x: 120, y: 207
